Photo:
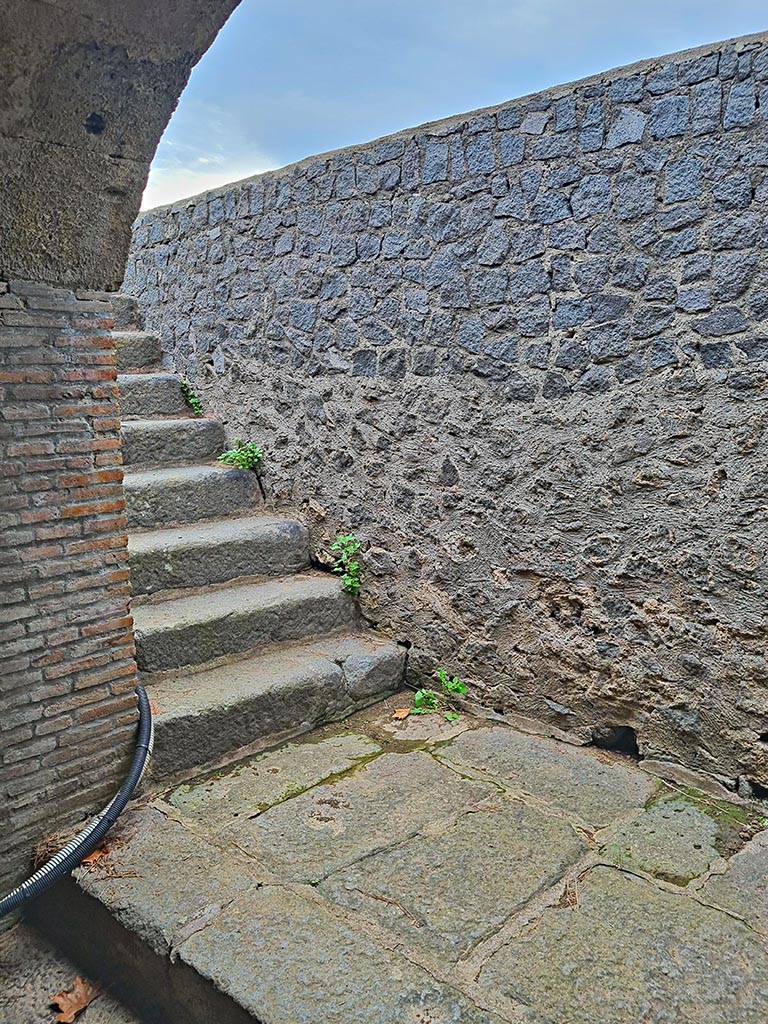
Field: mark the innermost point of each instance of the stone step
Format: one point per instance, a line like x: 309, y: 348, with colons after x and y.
x: 202, y: 717
x: 126, y: 314
x: 171, y: 442
x: 136, y: 350
x: 185, y: 494
x: 147, y: 395
x: 200, y: 628
x: 215, y: 552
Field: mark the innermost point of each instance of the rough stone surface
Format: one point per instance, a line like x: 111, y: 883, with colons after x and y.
x: 85, y: 93
x: 743, y: 889
x: 156, y: 498
x: 32, y: 970
x: 150, y: 394
x: 199, y: 628
x: 594, y: 787
x: 171, y: 442
x: 203, y: 716
x: 268, y: 780
x: 629, y: 952
x: 346, y: 978
x: 673, y: 839
x: 205, y: 553
x: 134, y: 349
x: 551, y: 444
x: 463, y: 902
x: 355, y: 876
x: 384, y: 801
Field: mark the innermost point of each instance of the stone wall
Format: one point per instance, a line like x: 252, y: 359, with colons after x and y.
x: 66, y: 644
x: 86, y: 90
x: 522, y: 354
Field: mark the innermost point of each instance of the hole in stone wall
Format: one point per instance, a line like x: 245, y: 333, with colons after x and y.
x: 622, y: 739
x: 95, y: 123
x: 763, y: 738
x: 759, y: 792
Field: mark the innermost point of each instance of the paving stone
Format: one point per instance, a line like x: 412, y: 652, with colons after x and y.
x: 451, y: 889
x: 744, y: 887
x: 335, y: 824
x: 673, y: 840
x: 251, y: 788
x: 595, y: 788
x: 630, y: 953
x: 160, y: 877
x: 286, y: 959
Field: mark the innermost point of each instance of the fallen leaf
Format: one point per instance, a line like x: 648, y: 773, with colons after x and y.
x: 73, y: 1000
x: 401, y: 712
x: 98, y: 854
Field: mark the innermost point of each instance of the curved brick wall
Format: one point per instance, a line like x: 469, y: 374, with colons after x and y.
x: 522, y: 354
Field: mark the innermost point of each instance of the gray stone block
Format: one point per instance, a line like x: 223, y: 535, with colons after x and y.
x: 683, y: 179
x: 740, y: 107
x: 628, y: 126
x: 669, y: 117
x: 592, y: 196
x: 723, y: 321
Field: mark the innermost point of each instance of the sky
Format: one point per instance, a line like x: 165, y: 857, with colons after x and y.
x: 289, y: 78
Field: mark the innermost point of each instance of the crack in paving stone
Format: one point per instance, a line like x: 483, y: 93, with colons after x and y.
x: 473, y: 963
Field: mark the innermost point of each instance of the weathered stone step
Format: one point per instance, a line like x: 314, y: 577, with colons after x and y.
x: 251, y: 616
x: 169, y: 442
x: 202, y: 717
x: 136, y: 350
x: 215, y: 552
x: 150, y: 394
x: 184, y: 494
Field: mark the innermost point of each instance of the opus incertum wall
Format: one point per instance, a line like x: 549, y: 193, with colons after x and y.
x: 522, y: 353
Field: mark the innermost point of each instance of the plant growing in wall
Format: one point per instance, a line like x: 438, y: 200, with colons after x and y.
x: 243, y: 455
x: 426, y: 701
x: 193, y: 402
x: 346, y: 547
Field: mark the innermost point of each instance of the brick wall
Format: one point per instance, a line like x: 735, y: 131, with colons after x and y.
x: 67, y: 710
x: 523, y: 353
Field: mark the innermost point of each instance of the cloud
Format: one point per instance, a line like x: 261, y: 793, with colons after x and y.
x: 203, y: 148
x: 170, y: 184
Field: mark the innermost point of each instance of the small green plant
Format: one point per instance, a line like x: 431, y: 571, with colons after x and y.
x: 243, y: 455
x: 346, y: 547
x: 451, y: 685
x: 426, y: 701
x: 191, y: 399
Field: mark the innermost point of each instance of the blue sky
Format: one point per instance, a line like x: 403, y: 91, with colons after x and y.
x: 289, y: 78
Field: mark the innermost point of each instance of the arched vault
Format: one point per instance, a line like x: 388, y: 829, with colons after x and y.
x: 86, y: 90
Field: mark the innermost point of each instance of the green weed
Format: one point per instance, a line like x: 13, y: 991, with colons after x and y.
x: 189, y: 396
x: 243, y: 455
x: 426, y: 701
x: 346, y: 547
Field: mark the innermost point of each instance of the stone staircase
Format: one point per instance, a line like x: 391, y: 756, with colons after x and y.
x: 238, y: 640
x: 374, y: 870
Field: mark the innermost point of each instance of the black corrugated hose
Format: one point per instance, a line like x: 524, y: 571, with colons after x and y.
x: 90, y: 837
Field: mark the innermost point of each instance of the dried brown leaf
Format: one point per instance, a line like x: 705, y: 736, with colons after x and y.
x: 401, y: 713
x: 98, y: 854
x: 75, y: 999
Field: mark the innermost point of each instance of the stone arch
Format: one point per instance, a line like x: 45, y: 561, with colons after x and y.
x: 86, y: 90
